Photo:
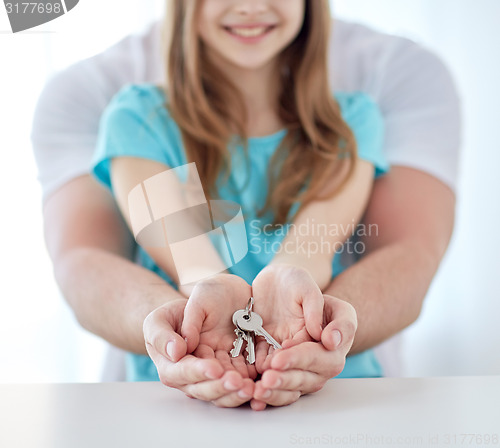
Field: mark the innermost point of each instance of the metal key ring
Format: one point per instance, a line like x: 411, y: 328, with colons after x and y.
x: 249, y: 307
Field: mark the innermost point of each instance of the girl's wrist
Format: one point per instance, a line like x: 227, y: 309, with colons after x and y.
x: 186, y: 290
x: 319, y: 268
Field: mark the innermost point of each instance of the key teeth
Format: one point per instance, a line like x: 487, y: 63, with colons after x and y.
x: 234, y: 352
x: 247, y: 357
x: 237, y: 343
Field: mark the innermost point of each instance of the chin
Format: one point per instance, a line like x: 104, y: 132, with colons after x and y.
x: 249, y: 64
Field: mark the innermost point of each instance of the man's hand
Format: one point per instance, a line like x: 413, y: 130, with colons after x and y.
x: 304, y: 367
x: 208, y: 374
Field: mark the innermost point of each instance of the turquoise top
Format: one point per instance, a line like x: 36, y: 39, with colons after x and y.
x: 137, y: 124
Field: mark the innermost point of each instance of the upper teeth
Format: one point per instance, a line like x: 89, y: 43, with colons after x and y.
x: 248, y: 32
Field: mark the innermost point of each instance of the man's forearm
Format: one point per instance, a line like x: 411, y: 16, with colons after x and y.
x: 110, y: 295
x: 387, y: 288
x: 90, y: 247
x: 388, y: 285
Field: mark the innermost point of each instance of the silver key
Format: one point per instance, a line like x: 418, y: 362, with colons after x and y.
x: 238, y: 343
x: 239, y: 313
x: 250, y: 348
x: 253, y: 324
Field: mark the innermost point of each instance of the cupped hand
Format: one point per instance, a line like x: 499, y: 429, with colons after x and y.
x: 290, y: 304
x: 304, y: 367
x: 210, y: 374
x: 207, y: 374
x: 208, y: 316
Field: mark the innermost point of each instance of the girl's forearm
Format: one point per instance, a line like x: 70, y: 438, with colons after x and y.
x: 194, y: 256
x: 328, y: 225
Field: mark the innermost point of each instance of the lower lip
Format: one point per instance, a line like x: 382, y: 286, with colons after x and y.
x: 252, y: 39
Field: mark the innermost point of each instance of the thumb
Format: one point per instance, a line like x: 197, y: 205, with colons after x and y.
x: 312, y: 305
x: 331, y: 337
x: 194, y: 316
x: 342, y: 324
x: 158, y: 329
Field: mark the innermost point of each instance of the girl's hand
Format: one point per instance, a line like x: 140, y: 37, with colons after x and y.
x: 290, y: 304
x: 208, y: 325
x: 206, y: 374
x: 303, y: 368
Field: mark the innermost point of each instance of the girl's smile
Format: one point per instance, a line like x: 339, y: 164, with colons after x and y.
x: 249, y: 34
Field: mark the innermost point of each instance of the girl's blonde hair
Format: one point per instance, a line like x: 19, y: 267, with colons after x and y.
x: 319, y: 149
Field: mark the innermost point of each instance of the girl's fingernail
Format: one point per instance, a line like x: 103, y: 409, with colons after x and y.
x: 266, y: 394
x: 277, y: 383
x: 336, y: 337
x: 170, y: 349
x: 287, y: 366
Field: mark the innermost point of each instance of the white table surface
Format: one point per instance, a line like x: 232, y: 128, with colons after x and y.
x: 395, y: 412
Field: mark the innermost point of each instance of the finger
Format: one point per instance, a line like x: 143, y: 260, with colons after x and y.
x: 235, y: 399
x: 298, y: 338
x: 261, y: 352
x: 257, y: 405
x: 241, y: 366
x: 194, y: 316
x: 287, y: 343
x: 228, y: 363
x: 340, y: 330
x: 158, y: 328
x: 187, y: 370
x: 331, y: 337
x: 313, y: 304
x: 204, y: 351
x: 301, y: 336
x: 275, y: 397
x: 266, y: 364
x: 311, y: 356
x: 238, y: 364
x: 252, y: 371
x: 302, y: 380
x: 213, y: 390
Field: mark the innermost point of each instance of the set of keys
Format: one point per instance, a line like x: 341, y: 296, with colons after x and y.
x: 248, y: 325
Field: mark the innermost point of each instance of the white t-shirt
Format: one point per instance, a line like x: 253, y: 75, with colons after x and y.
x: 412, y: 87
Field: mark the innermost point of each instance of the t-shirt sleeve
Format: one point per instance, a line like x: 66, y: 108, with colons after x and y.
x: 422, y: 112
x: 136, y: 124
x: 67, y: 114
x: 414, y: 90
x: 364, y: 118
